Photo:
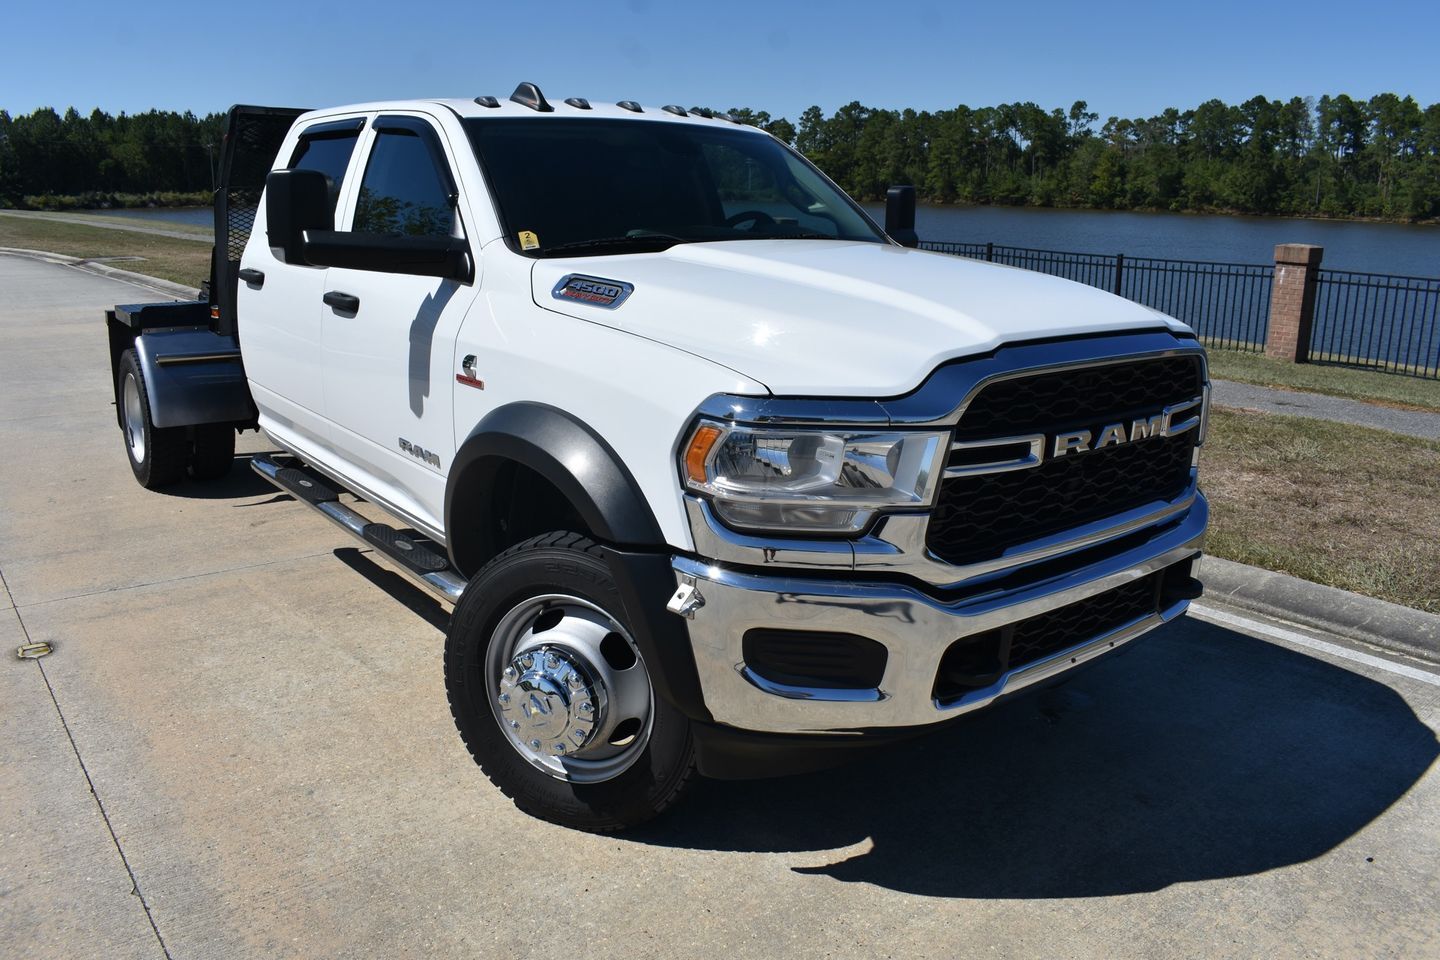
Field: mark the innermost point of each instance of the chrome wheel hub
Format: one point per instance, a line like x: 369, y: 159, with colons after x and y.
x: 549, y: 703
x: 134, y: 419
x: 568, y: 688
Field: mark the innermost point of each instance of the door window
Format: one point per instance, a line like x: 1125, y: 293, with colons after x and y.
x: 402, y: 193
x: 327, y: 150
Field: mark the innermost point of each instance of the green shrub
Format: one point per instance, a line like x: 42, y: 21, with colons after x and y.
x: 102, y: 200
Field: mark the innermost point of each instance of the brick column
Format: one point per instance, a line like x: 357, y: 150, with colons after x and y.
x: 1292, y: 301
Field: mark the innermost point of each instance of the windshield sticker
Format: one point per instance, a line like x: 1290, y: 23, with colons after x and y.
x: 592, y: 290
x: 528, y: 240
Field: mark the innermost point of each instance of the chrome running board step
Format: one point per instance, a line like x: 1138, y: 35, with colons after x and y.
x: 422, y: 560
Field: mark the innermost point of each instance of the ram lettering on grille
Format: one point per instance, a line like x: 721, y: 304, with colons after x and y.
x: 1016, y: 471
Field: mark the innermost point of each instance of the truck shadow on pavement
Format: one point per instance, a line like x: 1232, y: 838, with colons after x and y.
x: 417, y: 601
x: 239, y: 483
x: 1202, y: 753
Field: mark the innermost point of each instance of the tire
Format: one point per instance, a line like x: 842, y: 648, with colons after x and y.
x: 214, y: 451
x: 524, y: 724
x: 157, y: 454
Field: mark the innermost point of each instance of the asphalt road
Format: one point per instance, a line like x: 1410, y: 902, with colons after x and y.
x: 240, y: 748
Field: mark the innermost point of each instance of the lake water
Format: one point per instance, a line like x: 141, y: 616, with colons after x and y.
x: 194, y: 216
x: 1394, y: 248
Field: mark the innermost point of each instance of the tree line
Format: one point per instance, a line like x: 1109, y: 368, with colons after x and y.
x: 53, y: 159
x: 1336, y: 156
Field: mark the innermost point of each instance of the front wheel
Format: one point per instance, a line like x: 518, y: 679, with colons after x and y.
x: 552, y: 696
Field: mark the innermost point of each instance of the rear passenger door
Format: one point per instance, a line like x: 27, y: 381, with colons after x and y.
x: 281, y: 308
x: 389, y: 338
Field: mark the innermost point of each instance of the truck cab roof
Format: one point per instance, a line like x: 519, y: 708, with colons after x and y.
x: 572, y: 107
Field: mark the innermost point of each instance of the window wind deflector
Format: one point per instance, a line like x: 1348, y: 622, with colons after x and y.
x: 334, y: 128
x: 411, y: 125
x: 415, y: 127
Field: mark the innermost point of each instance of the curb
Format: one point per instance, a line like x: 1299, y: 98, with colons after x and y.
x: 163, y: 287
x: 1376, y: 622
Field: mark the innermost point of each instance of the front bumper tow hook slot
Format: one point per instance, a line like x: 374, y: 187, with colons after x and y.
x: 686, y: 601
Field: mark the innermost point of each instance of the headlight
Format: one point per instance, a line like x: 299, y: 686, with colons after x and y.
x: 800, y: 480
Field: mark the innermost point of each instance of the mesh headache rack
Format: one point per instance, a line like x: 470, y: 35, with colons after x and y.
x: 252, y: 139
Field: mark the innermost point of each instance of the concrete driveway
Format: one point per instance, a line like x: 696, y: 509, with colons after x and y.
x: 240, y: 748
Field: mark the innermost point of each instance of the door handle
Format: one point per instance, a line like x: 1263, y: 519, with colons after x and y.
x: 255, y: 277
x: 342, y: 301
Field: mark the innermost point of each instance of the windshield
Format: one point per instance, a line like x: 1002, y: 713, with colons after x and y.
x: 596, y: 186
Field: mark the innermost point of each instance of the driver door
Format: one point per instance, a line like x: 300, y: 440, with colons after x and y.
x: 389, y: 338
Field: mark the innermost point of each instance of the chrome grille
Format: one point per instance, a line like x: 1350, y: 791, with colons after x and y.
x: 979, y: 516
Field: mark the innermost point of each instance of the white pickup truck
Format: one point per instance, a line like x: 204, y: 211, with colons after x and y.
x: 720, y: 477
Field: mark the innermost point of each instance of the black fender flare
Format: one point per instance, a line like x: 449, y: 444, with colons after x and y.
x: 590, y: 474
x: 566, y: 452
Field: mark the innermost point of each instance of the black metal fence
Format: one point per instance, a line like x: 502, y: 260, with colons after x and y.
x: 1361, y: 319
x: 1227, y: 304
x: 1378, y: 321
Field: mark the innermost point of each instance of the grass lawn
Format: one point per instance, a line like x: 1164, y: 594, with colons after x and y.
x: 183, y: 261
x: 1345, y: 506
x: 1388, y: 388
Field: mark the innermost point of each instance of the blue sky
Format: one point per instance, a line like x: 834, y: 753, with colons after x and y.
x: 1127, y: 59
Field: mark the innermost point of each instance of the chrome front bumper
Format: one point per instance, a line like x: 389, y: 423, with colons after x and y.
x: 915, y: 628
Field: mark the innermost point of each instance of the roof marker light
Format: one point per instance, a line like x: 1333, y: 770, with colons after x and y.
x: 487, y: 101
x: 676, y: 109
x: 630, y: 105
x: 579, y: 103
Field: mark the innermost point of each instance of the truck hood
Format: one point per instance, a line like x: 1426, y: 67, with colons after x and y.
x: 826, y: 317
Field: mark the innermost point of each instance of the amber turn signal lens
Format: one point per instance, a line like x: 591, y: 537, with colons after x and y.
x: 701, y: 442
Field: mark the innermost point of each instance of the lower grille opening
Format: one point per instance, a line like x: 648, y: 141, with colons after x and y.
x: 1179, y: 583
x: 804, y: 658
x: 971, y: 663
x: 1044, y: 635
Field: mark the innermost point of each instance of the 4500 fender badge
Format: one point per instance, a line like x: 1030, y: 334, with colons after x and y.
x: 420, y: 453
x: 595, y: 291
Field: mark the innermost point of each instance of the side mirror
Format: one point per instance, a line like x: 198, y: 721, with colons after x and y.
x: 445, y: 257
x: 296, y: 201
x: 900, y: 216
